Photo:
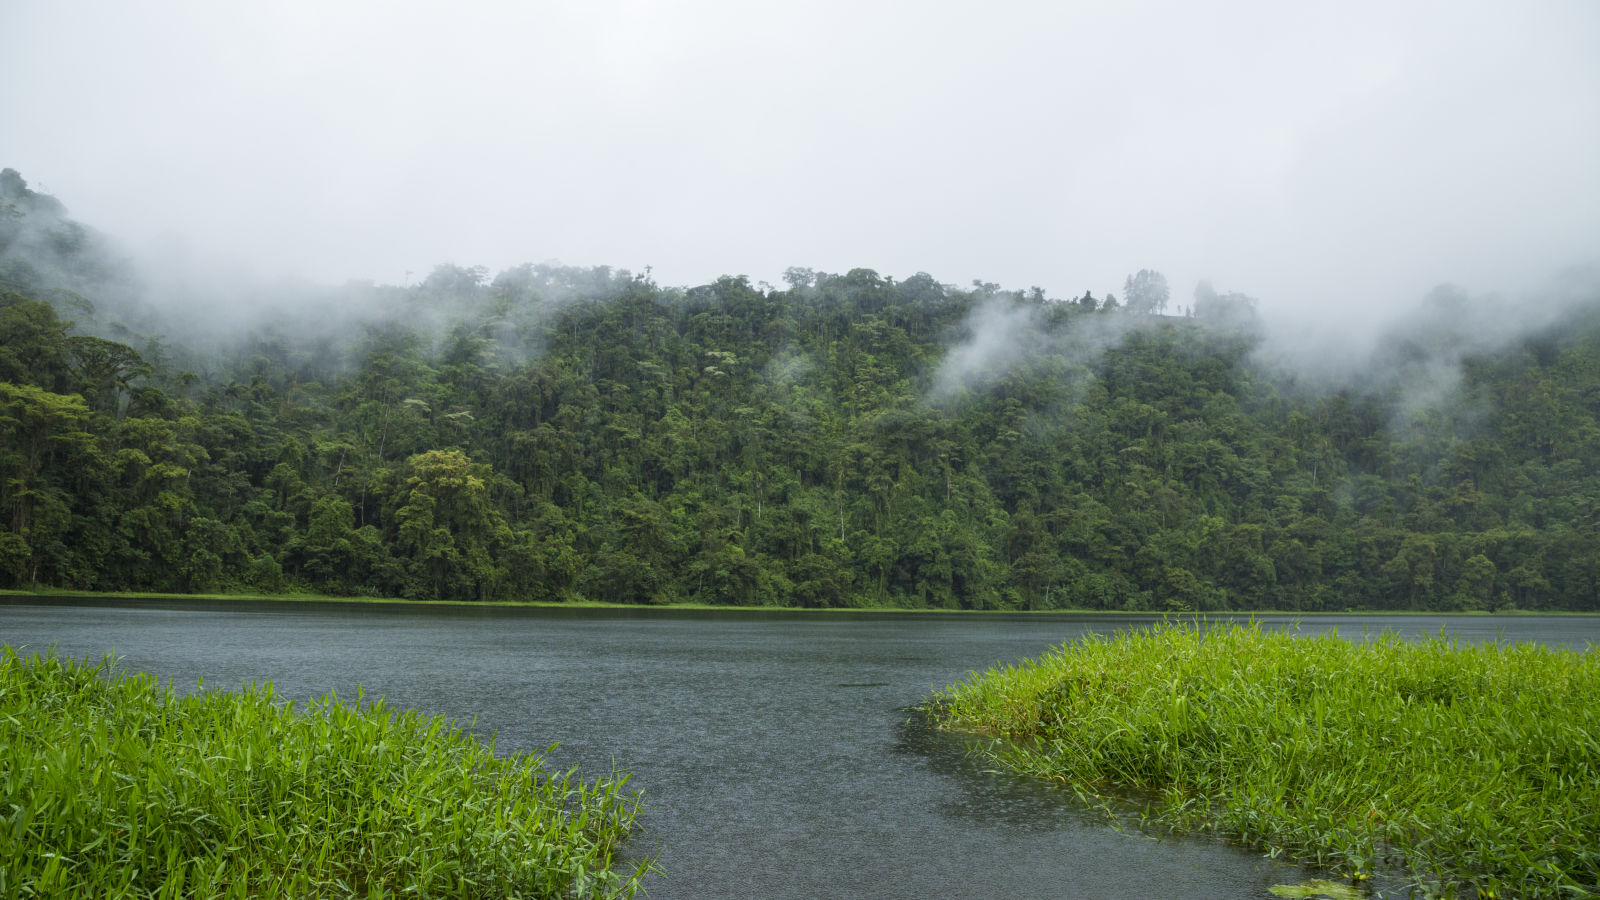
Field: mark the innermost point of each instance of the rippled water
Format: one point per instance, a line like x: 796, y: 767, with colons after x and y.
x: 775, y: 751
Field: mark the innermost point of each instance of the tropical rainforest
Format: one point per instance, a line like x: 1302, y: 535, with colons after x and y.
x: 559, y: 434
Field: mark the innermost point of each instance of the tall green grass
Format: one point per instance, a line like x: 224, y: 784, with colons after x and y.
x: 1463, y: 769
x: 113, y: 786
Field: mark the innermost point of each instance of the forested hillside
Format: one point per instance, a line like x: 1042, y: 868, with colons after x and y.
x: 554, y: 433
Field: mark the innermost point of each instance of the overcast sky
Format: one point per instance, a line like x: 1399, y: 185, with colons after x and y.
x: 1318, y: 156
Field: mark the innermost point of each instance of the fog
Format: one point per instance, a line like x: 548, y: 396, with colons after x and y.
x: 1336, y: 162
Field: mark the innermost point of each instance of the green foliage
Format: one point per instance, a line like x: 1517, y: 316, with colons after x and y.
x: 448, y: 533
x: 557, y: 433
x: 1464, y: 767
x: 116, y: 787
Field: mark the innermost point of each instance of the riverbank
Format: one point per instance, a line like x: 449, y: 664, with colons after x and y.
x: 118, y: 787
x: 1459, y: 767
x: 58, y: 593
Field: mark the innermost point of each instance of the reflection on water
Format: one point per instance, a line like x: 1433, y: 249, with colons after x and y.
x: 777, y: 753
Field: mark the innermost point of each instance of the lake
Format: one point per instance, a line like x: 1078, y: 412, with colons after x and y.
x: 775, y: 751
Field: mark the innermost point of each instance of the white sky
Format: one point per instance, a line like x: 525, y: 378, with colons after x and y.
x: 1339, y: 156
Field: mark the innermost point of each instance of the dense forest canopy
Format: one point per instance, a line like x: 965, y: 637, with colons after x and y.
x: 554, y: 433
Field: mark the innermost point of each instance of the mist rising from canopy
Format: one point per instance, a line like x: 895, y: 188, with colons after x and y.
x: 1335, y: 163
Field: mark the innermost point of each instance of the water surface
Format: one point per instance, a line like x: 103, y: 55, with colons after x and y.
x: 775, y: 751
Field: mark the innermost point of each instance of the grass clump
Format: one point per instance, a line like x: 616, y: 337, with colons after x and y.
x: 1464, y: 769
x: 113, y: 786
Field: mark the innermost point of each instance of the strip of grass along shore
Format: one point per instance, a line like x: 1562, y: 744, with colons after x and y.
x: 1463, y: 769
x: 48, y: 593
x: 114, y: 786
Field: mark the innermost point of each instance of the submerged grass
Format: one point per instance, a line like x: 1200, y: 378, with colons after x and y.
x: 113, y: 786
x: 1465, y: 769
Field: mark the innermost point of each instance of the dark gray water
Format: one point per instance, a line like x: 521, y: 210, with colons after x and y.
x: 775, y: 752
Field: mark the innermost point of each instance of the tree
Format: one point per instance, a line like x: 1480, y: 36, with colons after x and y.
x: 34, y: 345
x: 447, y: 528
x: 105, y: 369
x: 330, y: 546
x: 1145, y: 292
x: 36, y: 428
x: 1233, y: 311
x: 1475, y: 587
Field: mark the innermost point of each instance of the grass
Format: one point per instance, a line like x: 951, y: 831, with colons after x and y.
x: 51, y: 593
x: 1465, y: 770
x: 113, y: 786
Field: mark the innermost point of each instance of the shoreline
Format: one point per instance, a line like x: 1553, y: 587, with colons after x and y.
x: 1454, y: 766
x: 47, y: 594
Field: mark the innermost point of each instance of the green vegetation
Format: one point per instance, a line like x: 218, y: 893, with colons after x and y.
x: 1461, y: 767
x: 112, y: 786
x: 556, y: 434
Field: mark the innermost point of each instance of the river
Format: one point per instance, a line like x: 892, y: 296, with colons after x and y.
x: 775, y: 751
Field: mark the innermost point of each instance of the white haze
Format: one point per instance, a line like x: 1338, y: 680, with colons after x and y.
x: 1005, y: 333
x: 1336, y: 161
x: 996, y: 337
x: 1418, y: 356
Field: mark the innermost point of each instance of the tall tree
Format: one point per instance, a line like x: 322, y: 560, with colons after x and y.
x: 1145, y: 292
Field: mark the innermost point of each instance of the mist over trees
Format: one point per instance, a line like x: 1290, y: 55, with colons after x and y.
x: 552, y: 433
x: 1146, y: 292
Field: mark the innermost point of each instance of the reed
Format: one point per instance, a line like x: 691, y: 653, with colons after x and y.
x: 1465, y: 770
x: 114, y: 786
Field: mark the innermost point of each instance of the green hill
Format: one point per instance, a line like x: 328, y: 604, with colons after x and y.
x: 556, y: 433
